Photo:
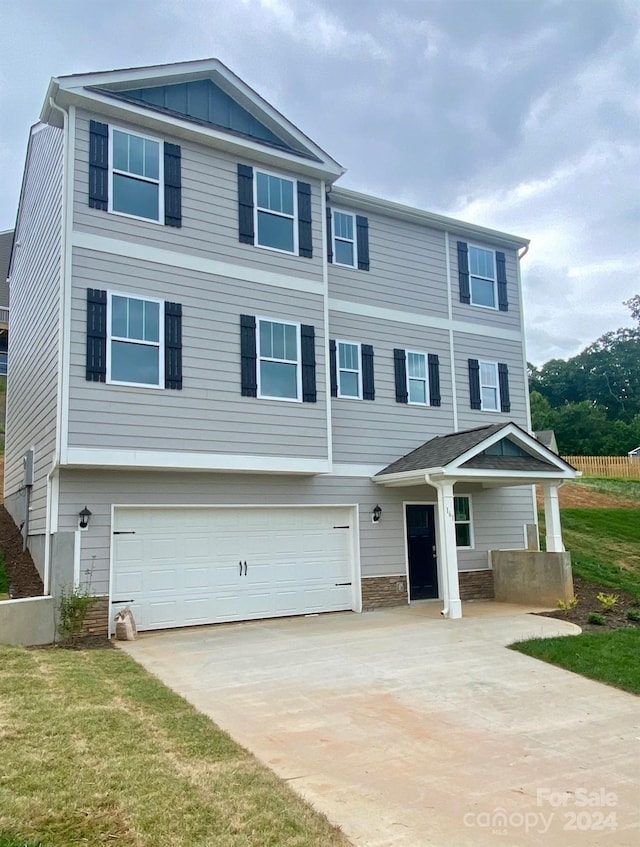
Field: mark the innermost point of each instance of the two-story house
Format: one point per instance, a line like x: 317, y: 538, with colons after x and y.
x: 238, y: 390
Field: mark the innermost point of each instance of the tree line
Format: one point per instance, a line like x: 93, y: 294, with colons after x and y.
x: 592, y: 400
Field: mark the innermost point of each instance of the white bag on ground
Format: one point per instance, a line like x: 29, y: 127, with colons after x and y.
x: 125, y: 625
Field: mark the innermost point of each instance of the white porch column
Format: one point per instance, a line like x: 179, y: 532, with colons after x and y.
x: 448, y: 552
x: 552, y: 518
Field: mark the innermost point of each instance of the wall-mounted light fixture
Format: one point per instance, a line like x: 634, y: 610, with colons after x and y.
x: 84, y: 516
x: 376, y: 514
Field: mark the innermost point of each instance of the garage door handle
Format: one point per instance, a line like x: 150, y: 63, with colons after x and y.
x: 240, y: 563
x: 245, y: 568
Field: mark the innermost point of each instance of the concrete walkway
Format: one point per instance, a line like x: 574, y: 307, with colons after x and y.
x: 407, y: 730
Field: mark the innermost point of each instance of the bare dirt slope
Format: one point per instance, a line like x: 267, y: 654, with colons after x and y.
x: 23, y: 576
x: 576, y: 496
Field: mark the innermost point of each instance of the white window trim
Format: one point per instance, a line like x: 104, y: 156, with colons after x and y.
x: 486, y: 278
x: 159, y: 181
x: 260, y: 359
x: 335, y: 238
x: 349, y: 370
x: 471, y: 545
x: 426, y: 380
x: 294, y: 217
x: 494, y: 365
x: 159, y: 344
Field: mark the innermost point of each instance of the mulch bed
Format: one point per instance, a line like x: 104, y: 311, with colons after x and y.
x: 23, y: 576
x: 587, y: 592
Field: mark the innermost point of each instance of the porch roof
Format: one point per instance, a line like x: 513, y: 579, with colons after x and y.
x: 461, y: 455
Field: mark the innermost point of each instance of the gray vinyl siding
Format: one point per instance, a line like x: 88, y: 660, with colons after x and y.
x: 491, y: 318
x: 469, y: 346
x: 209, y: 211
x: 382, y: 545
x: 407, y: 269
x: 209, y: 414
x: 380, y: 431
x: 498, y: 517
x: 35, y: 285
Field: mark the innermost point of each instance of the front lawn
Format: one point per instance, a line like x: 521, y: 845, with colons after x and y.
x: 610, y: 657
x: 97, y: 751
x: 604, y: 545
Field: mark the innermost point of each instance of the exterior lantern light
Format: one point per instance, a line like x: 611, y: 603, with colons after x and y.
x: 84, y: 516
x: 376, y: 514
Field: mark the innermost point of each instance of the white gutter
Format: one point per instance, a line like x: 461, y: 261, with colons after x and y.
x: 424, y: 218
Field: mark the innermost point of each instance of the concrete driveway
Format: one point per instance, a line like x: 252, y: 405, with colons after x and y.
x: 407, y: 730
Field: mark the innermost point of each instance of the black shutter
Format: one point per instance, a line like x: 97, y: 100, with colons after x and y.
x: 333, y: 368
x: 463, y: 272
x: 308, y: 356
x: 248, y: 356
x: 501, y: 272
x: 98, y: 165
x: 96, y: 335
x: 474, y: 384
x: 368, y: 380
x: 434, y: 379
x: 400, y: 370
x: 362, y: 234
x: 245, y: 205
x: 172, y: 185
x: 173, y: 346
x: 305, y: 247
x: 329, y: 235
x: 503, y: 382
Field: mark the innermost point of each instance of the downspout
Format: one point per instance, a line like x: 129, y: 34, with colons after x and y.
x: 53, y: 473
x: 444, y: 570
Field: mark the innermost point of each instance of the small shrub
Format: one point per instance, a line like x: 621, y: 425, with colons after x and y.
x: 565, y: 605
x: 73, y: 605
x: 607, y: 601
x: 596, y: 618
x: 633, y: 615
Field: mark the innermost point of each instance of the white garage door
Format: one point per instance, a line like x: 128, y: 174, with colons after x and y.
x: 187, y: 566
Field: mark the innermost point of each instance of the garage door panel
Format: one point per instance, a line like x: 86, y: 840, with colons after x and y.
x: 180, y: 567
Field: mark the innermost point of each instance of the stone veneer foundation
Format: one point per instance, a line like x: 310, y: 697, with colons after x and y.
x: 476, y: 585
x: 97, y: 619
x: 379, y: 591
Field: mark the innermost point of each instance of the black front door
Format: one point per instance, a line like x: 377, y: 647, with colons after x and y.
x: 421, y: 550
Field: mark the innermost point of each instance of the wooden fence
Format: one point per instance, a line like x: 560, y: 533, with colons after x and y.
x: 612, y: 466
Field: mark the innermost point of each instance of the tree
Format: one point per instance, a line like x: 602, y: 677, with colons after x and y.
x: 592, y: 400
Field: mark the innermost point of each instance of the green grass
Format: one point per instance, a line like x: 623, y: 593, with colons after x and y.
x: 610, y: 657
x: 97, y: 751
x: 604, y: 545
x: 627, y: 488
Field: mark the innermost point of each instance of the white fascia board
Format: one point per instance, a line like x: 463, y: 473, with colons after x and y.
x: 74, y: 89
x: 351, y: 307
x: 92, y: 457
x: 367, y: 202
x: 491, y: 476
x: 188, y: 261
x: 526, y: 441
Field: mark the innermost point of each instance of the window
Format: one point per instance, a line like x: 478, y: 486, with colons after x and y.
x: 136, y: 176
x: 417, y: 380
x: 349, y: 372
x: 275, y: 204
x: 489, y: 391
x: 462, y: 509
x: 279, y: 367
x: 344, y: 243
x: 483, y: 277
x: 135, y: 340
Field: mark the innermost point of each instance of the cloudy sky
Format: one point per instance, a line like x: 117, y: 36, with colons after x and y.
x: 521, y: 115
